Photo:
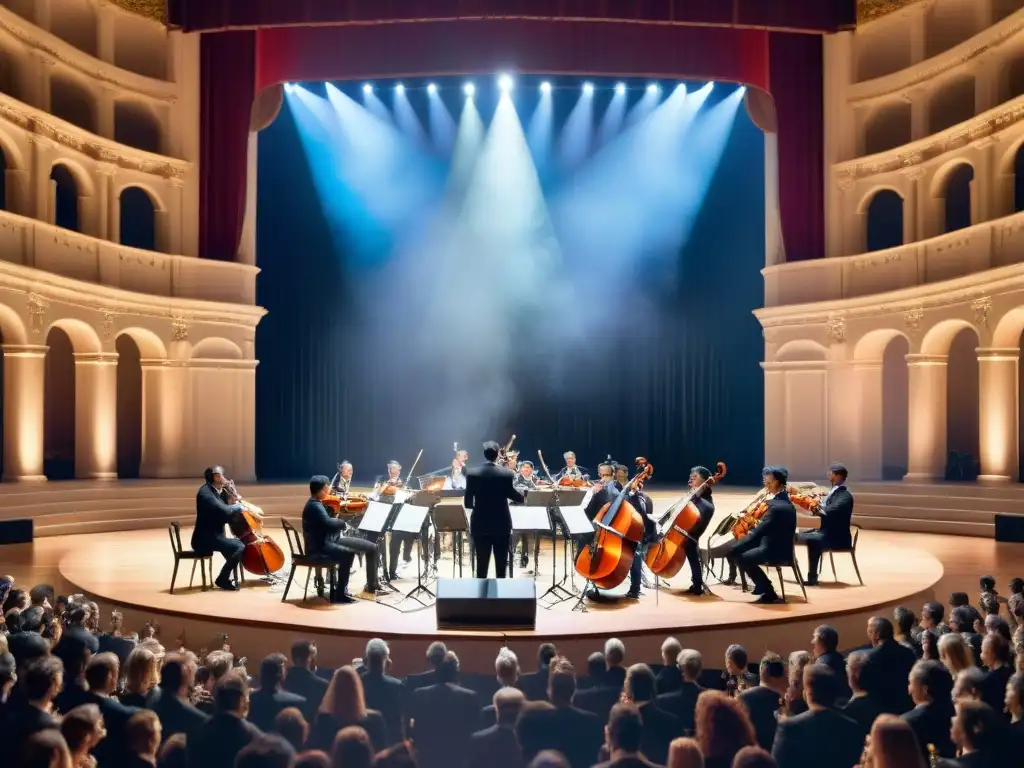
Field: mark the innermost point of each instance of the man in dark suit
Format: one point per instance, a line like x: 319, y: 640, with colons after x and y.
x: 506, y: 675
x: 772, y: 540
x: 302, y: 679
x: 496, y: 746
x: 383, y: 692
x: 682, y: 703
x: 706, y: 506
x: 219, y: 740
x: 535, y: 684
x: 835, y: 511
x: 177, y: 715
x: 604, y: 493
x: 489, y: 489
x: 659, y: 726
x: 763, y: 701
x: 888, y: 668
x: 931, y: 688
x: 862, y: 706
x: 625, y: 739
x: 39, y: 683
x: 436, y: 652
x: 670, y: 678
x: 321, y: 535
x: 214, y: 508
x: 821, y: 737
x: 601, y: 690
x: 270, y: 698
x: 101, y: 675
x: 824, y: 643
x: 443, y: 717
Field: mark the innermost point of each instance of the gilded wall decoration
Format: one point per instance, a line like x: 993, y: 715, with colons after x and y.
x: 179, y: 328
x: 836, y: 328
x: 982, y: 306
x: 153, y: 9
x: 873, y: 9
x: 37, y: 306
x: 912, y: 320
x: 108, y: 324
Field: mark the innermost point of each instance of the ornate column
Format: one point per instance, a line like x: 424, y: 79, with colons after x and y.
x: 24, y: 373
x: 914, y: 207
x: 170, y: 222
x: 42, y: 187
x: 984, y: 187
x: 998, y: 415
x: 96, y: 415
x: 868, y: 376
x: 166, y: 398
x: 926, y: 421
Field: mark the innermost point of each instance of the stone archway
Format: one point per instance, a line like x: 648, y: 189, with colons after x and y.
x: 962, y: 407
x: 884, y: 220
x: 66, y: 211
x: 129, y: 407
x: 59, y: 407
x: 137, y: 219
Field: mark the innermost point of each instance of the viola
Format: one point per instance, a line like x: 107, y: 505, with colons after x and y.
x: 262, y: 555
x: 676, y: 527
x: 605, y: 563
x: 350, y: 505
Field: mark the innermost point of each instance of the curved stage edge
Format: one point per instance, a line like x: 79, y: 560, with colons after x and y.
x: 131, y: 570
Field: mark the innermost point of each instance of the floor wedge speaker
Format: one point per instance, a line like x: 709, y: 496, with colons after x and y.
x: 492, y: 603
x: 16, y: 531
x: 1010, y: 528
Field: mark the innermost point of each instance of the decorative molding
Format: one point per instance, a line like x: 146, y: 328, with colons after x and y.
x: 836, y: 329
x: 912, y: 319
x: 108, y: 324
x: 37, y: 307
x: 982, y: 306
x: 152, y: 9
x: 179, y: 328
x: 868, y: 10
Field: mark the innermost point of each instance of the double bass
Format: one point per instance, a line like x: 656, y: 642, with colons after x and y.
x: 606, y: 561
x: 262, y: 555
x: 675, y: 527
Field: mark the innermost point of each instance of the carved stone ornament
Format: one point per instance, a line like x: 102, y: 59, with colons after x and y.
x: 912, y: 320
x: 982, y: 306
x: 836, y: 329
x: 108, y: 324
x: 179, y: 328
x: 37, y: 307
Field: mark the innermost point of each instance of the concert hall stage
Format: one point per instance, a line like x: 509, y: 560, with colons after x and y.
x: 131, y: 569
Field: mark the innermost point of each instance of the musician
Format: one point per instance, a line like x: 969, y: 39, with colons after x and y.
x: 320, y: 538
x: 512, y: 461
x: 489, y: 489
x: 605, y: 493
x: 391, y: 482
x: 404, y: 541
x: 571, y: 470
x: 214, y: 508
x: 835, y: 511
x: 341, y: 483
x: 704, y: 504
x: 525, y: 481
x: 771, y: 541
x: 606, y: 473
x: 457, y: 479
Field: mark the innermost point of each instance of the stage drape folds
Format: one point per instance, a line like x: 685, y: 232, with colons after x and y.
x: 228, y: 88
x: 798, y: 89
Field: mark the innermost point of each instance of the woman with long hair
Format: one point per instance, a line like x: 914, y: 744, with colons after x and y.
x: 343, y: 705
x: 141, y: 676
x: 795, y: 704
x: 722, y: 727
x: 929, y: 645
x: 684, y: 753
x: 955, y: 654
x: 892, y: 744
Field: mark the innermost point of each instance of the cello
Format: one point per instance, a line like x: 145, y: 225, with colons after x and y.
x: 675, y: 527
x: 262, y: 555
x: 606, y: 561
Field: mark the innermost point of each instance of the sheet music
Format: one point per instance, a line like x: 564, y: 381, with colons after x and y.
x: 530, y: 519
x: 410, y: 519
x: 576, y: 520
x: 375, y: 517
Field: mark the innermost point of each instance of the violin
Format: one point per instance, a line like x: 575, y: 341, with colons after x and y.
x: 605, y: 563
x: 262, y: 555
x: 752, y: 515
x: 349, y: 505
x: 676, y: 527
x: 568, y: 481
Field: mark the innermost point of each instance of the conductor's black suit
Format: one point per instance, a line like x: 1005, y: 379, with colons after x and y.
x: 489, y: 488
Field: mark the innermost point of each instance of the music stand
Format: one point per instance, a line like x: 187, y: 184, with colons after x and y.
x: 377, y: 520
x: 410, y: 520
x: 450, y: 517
x: 577, y: 525
x: 526, y: 520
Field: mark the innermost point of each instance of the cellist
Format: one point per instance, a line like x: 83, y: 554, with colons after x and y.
x: 605, y: 492
x: 214, y: 508
x: 703, y: 502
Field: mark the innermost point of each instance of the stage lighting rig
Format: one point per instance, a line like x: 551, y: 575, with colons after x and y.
x: 505, y: 83
x: 367, y: 89
x: 432, y: 89
x: 469, y: 89
x: 588, y: 89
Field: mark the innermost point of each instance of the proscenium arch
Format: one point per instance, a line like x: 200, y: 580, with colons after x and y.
x: 872, y: 345
x: 84, y: 339
x: 216, y: 348
x: 940, y: 336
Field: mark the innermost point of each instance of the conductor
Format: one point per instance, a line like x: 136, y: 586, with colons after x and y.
x: 489, y: 488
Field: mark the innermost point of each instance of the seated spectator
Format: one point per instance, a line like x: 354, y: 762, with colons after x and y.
x: 931, y: 618
x: 977, y: 735
x: 753, y: 757
x: 143, y: 736
x: 219, y: 740
x: 962, y: 620
x: 270, y: 698
x: 101, y: 676
x: 888, y: 665
x: 549, y: 758
x: 82, y: 729
x: 141, y: 676
x: 659, y: 726
x: 996, y: 656
x: 682, y: 703
x: 344, y: 705
x: 604, y: 689
x: 997, y: 625
x: 615, y: 660
x: 596, y: 667
x: 821, y: 737
x: 443, y: 717
x: 560, y: 726
x: 931, y: 689
x: 45, y: 749
x: 435, y: 656
x: 312, y: 758
x: 302, y: 679
x: 534, y: 685
x: 352, y: 748
x: 266, y: 751
x: 177, y: 715
x: 40, y: 682
x: 1015, y: 706
x: 506, y: 670
x: 892, y: 744
x: 291, y: 726
x: 723, y: 728
x: 862, y: 706
x: 669, y: 678
x: 685, y: 753
x: 625, y: 736
x: 764, y: 702
x: 8, y: 676
x: 398, y: 756
x: 825, y: 646
x: 75, y: 648
x: 384, y: 693
x: 737, y: 677
x: 173, y: 753
x: 905, y: 622
x: 795, y: 704
x: 495, y: 746
x: 929, y: 645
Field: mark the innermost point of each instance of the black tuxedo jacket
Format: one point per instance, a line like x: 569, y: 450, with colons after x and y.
x: 386, y: 694
x: 177, y: 716
x: 773, y: 537
x: 762, y: 705
x: 318, y: 526
x: 307, y: 684
x: 212, y: 513
x: 660, y: 727
x: 818, y: 739
x: 931, y: 726
x: 669, y: 679
x: 599, y: 700
x: 489, y: 489
x: 494, y: 747
x: 885, y: 676
x: 863, y: 709
x: 835, y: 520
x: 534, y: 685
x: 578, y: 735
x: 264, y: 707
x: 682, y: 704
x: 219, y: 740
x: 443, y: 717
x: 835, y: 661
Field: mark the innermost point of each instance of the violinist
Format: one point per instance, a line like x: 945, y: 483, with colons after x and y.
x: 571, y: 470
x: 341, y: 483
x: 772, y: 540
x: 404, y: 541
x: 391, y: 482
x: 456, y: 481
x: 526, y: 481
x: 320, y: 537
x: 512, y: 460
x: 835, y: 512
x: 214, y: 508
x: 703, y: 502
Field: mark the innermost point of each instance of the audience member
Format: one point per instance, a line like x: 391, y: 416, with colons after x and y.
x: 352, y: 748
x: 219, y: 740
x: 604, y: 689
x: 997, y: 658
x: 560, y: 726
x: 931, y: 689
x: 976, y: 733
x: 382, y: 692
x: 825, y: 645
x: 173, y: 753
x: 931, y: 617
x: 506, y: 670
x: 1015, y: 707
x: 968, y: 684
x: 270, y: 698
x: 496, y: 746
x: 549, y: 758
x: 436, y: 652
x: 929, y: 644
x: 962, y: 621
x: 141, y: 676
x: 398, y: 756
x: 764, y: 702
x: 892, y: 744
x: 82, y: 729
x: 344, y: 705
x: 888, y: 666
x: 682, y: 703
x: 101, y: 675
x: 443, y: 717
x: 669, y: 679
x: 40, y: 682
x: 142, y: 734
x: 534, y: 685
x: 615, y: 660
x: 624, y: 734
x: 753, y: 757
x: 596, y: 667
x: 74, y: 650
x: 302, y: 679
x: 659, y: 726
x: 723, y: 728
x: 862, y: 706
x: 795, y: 704
x: 266, y: 751
x: 45, y: 749
x: 737, y: 676
x: 312, y: 758
x: 684, y: 753
x: 821, y: 737
x: 291, y: 726
x: 177, y: 715
x: 905, y: 623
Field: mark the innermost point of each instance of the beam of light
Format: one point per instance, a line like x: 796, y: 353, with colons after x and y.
x: 406, y: 118
x: 545, y: 88
x: 442, y: 125
x: 372, y: 103
x: 588, y: 89
x: 505, y: 83
x: 469, y: 89
x: 653, y: 88
x: 400, y: 90
x: 367, y: 89
x: 540, y: 132
x: 614, y: 116
x: 468, y: 140
x: 647, y: 104
x: 432, y: 89
x: 577, y: 136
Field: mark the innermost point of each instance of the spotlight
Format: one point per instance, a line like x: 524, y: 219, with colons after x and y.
x: 588, y: 89
x: 469, y: 89
x: 710, y: 87
x: 367, y: 89
x: 545, y: 87
x: 431, y: 89
x: 505, y: 83
x: 400, y: 89
x: 620, y: 88
x: 653, y: 88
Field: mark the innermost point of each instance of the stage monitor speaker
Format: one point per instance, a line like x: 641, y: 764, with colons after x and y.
x: 492, y: 603
x: 1010, y: 528
x: 16, y: 531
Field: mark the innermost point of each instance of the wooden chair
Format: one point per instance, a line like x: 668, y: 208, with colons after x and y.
x: 174, y: 530
x: 794, y: 566
x: 850, y: 550
x: 301, y: 560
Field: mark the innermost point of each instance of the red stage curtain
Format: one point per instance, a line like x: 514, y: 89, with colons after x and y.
x: 806, y: 15
x: 228, y: 61
x: 797, y: 86
x: 467, y: 47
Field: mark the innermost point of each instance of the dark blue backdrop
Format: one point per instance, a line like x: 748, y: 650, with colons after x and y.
x: 688, y: 390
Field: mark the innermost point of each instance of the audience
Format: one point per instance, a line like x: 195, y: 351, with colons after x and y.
x: 892, y: 744
x: 506, y: 670
x: 141, y: 676
x: 624, y: 734
x: 887, y: 669
x: 174, y: 752
x: 302, y: 679
x: 821, y: 737
x: 685, y: 753
x: 862, y: 706
x: 352, y: 748
x: 101, y: 675
x: 383, y: 692
x: 496, y: 746
x: 764, y: 702
x: 659, y: 726
x: 45, y: 749
x: 977, y: 734
x: 270, y: 698
x: 795, y: 704
x: 142, y: 734
x: 176, y: 713
x: 825, y: 645
x: 219, y: 740
x: 291, y: 726
x: 443, y: 717
x: 723, y: 728
x: 682, y: 703
x: 344, y: 705
x: 931, y: 689
x: 670, y: 678
x: 534, y: 685
x: 82, y: 729
x: 266, y: 752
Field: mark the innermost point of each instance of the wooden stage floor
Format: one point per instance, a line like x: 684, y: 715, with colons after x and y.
x: 131, y: 570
